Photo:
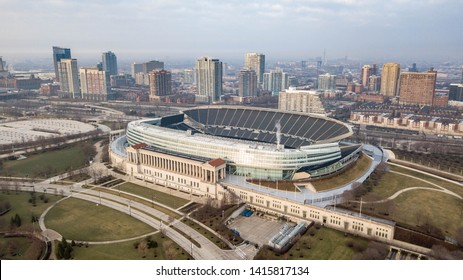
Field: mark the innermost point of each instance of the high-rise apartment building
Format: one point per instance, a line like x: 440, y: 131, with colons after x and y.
x: 3, y: 72
x: 58, y: 54
x: 327, y: 82
x: 456, y: 92
x: 109, y: 61
x: 136, y: 68
x: 247, y: 83
x: 367, y: 71
x: 208, y: 80
x: 69, y: 78
x: 276, y: 81
x: 256, y: 62
x: 160, y: 84
x: 94, y: 84
x: 188, y: 76
x: 417, y: 88
x: 374, y: 83
x: 146, y: 67
x: 152, y: 65
x: 390, y: 79
x: 306, y: 101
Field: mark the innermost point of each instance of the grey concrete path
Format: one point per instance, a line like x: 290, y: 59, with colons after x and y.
x: 157, y: 219
x: 396, y: 194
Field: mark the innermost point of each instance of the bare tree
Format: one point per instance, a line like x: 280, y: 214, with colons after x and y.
x: 142, y: 248
x: 459, y: 236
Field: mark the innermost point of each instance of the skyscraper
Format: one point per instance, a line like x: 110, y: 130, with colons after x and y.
x: 188, y: 76
x: 389, y: 79
x: 109, y: 61
x: 256, y: 62
x: 58, y: 54
x: 136, y: 68
x: 456, y: 92
x: 160, y: 84
x: 417, y: 88
x: 367, y: 71
x: 152, y: 65
x: 94, y: 84
x: 208, y: 80
x: 374, y: 83
x: 69, y: 78
x: 247, y: 83
x: 276, y: 81
x: 3, y: 72
x: 327, y: 82
x: 146, y: 67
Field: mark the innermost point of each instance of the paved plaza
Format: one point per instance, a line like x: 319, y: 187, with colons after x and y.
x: 257, y: 229
x: 36, y: 129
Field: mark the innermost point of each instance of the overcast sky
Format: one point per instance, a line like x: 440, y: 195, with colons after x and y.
x: 284, y: 29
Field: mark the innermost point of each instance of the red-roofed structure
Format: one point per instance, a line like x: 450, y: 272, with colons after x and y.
x: 216, y: 162
x: 140, y: 145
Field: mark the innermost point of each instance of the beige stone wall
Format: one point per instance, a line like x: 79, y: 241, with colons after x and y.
x: 303, y: 212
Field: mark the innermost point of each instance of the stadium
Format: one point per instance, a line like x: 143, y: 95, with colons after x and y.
x: 216, y: 153
x: 255, y: 142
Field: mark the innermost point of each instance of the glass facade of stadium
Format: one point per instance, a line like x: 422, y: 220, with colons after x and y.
x: 246, y: 158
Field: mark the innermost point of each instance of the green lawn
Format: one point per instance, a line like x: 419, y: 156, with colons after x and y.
x: 140, y: 200
x: 20, y: 248
x: 417, y: 207
x: 20, y: 205
x: 350, y: 174
x: 326, y: 244
x: 390, y: 183
x: 166, y: 249
x: 46, y: 164
x: 161, y: 197
x: 85, y: 221
x: 458, y: 189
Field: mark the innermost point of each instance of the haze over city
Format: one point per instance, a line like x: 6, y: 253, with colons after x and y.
x: 178, y: 30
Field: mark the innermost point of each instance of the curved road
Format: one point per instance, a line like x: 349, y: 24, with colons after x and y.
x: 152, y: 217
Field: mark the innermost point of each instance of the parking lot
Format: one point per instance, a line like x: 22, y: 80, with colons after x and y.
x: 256, y: 229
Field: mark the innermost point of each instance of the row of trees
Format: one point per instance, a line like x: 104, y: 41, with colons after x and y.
x: 360, y: 189
x: 43, y: 143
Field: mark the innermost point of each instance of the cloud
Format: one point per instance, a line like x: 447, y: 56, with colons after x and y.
x: 203, y: 26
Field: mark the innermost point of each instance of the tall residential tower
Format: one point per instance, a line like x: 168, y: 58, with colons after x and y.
x: 160, y: 84
x: 418, y: 88
x: 208, y: 80
x: 58, y: 54
x: 390, y: 79
x: 109, y: 61
x: 256, y: 62
x: 69, y: 78
x: 247, y: 83
x: 94, y: 84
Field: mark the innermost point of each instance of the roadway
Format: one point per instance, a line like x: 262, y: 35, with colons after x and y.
x: 306, y: 195
x: 150, y: 216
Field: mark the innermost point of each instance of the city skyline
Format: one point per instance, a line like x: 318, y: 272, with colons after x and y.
x: 416, y: 30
